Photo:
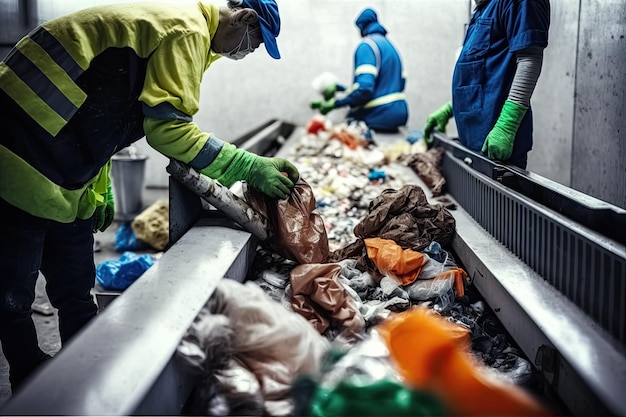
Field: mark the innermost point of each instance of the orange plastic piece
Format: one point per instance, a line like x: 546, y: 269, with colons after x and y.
x: 350, y: 140
x: 432, y: 354
x: 390, y: 259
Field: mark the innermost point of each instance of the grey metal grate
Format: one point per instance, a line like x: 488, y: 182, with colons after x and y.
x: 579, y: 263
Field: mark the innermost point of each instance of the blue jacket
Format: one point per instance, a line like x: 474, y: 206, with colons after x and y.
x: 486, y: 66
x: 377, y: 93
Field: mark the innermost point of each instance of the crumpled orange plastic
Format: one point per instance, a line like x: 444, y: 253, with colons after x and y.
x: 433, y: 354
x: 349, y: 139
x: 404, y: 265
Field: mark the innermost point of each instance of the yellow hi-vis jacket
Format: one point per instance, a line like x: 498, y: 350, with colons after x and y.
x: 39, y: 75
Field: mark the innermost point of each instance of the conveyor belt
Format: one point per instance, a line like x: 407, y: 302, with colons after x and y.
x: 555, y: 280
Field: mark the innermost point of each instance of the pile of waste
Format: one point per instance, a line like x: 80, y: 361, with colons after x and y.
x: 355, y: 305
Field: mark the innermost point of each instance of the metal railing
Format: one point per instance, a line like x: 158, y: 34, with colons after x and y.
x: 584, y: 265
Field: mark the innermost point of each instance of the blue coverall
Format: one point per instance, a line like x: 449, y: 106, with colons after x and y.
x: 485, y: 68
x: 377, y: 94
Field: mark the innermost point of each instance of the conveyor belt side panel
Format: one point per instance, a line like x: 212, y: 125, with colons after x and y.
x: 588, y: 269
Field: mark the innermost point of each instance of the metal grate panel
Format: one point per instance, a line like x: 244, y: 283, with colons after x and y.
x: 582, y: 265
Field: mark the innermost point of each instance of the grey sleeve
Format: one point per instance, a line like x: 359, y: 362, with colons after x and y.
x: 529, y: 62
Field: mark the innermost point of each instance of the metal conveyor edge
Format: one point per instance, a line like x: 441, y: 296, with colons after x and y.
x: 122, y: 362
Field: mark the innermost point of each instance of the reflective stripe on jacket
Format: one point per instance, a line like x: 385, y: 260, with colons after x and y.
x: 377, y: 93
x: 49, y: 164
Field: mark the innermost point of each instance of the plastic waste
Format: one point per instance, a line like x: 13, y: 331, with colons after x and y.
x: 125, y: 239
x: 414, y: 135
x: 119, y: 274
x: 376, y: 174
x: 363, y: 382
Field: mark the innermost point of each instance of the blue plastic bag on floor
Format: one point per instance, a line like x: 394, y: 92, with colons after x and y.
x: 125, y: 239
x: 118, y: 274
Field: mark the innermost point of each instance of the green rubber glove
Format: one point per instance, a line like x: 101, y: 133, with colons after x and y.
x: 103, y: 216
x: 499, y: 142
x: 327, y: 106
x: 264, y: 174
x: 329, y: 92
x: 316, y: 104
x: 438, y: 119
x: 324, y: 106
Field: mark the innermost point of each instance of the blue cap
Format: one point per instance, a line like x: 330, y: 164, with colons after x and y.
x: 270, y: 23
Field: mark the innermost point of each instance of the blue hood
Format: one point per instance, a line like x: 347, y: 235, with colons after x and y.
x: 367, y: 22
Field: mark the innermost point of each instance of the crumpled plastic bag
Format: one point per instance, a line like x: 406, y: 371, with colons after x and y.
x: 118, y: 274
x: 403, y: 265
x: 321, y: 298
x: 126, y: 240
x: 298, y: 230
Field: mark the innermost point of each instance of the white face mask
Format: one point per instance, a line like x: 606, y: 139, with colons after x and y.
x: 237, y: 53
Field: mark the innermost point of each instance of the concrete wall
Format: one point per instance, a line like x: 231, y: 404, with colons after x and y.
x: 574, y: 95
x: 599, y: 148
x: 553, y: 99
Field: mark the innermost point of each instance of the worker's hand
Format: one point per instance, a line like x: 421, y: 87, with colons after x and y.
x: 103, y: 216
x: 266, y: 175
x: 438, y: 119
x: 327, y: 106
x: 499, y: 142
x: 330, y: 91
x: 323, y: 106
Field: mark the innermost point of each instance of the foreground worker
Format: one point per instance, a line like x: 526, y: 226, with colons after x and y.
x: 75, y: 91
x: 377, y: 93
x: 494, y: 79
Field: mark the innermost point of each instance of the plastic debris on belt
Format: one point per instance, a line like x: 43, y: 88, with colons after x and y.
x: 340, y: 178
x: 346, y: 171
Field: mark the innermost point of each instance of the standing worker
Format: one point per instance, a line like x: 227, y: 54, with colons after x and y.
x: 377, y: 93
x: 73, y: 92
x: 494, y: 78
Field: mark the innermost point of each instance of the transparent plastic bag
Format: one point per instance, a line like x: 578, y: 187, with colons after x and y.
x: 427, y: 289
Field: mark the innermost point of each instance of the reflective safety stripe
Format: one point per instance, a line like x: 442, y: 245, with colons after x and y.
x: 43, y: 73
x: 389, y: 98
x: 368, y: 40
x: 54, y: 72
x: 366, y: 69
x: 31, y: 102
x: 56, y: 51
x: 40, y: 84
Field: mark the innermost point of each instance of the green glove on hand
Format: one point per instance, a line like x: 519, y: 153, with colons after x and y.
x: 329, y: 92
x: 438, y: 119
x: 499, y: 142
x: 266, y: 175
x: 103, y: 216
x: 323, y: 106
x: 327, y: 106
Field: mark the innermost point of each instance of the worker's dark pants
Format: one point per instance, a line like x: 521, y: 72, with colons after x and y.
x: 64, y: 255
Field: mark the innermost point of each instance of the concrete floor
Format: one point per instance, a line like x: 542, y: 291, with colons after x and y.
x: 47, y: 325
